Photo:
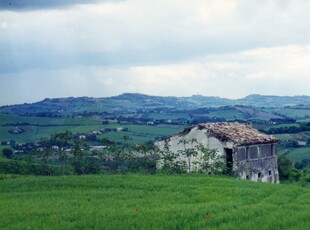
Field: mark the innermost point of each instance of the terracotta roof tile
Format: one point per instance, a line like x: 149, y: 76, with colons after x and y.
x: 235, y: 132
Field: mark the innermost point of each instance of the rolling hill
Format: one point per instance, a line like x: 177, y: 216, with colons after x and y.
x: 132, y: 102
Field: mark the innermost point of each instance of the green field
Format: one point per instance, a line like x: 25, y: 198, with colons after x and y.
x: 167, y: 116
x: 229, y: 114
x: 143, y: 133
x: 10, y: 118
x: 302, y: 136
x: 34, y: 133
x: 151, y: 202
x: 44, y: 127
x: 296, y: 113
x: 139, y: 133
x: 296, y: 154
x: 39, y: 127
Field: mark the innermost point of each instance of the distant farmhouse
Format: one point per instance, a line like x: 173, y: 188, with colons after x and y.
x: 247, y: 152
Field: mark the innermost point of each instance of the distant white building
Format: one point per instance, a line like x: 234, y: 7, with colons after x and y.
x: 96, y: 132
x: 82, y: 137
x: 302, y: 143
x: 55, y: 147
x: 118, y: 129
x: 97, y: 147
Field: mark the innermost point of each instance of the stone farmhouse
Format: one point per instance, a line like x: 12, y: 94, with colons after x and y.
x: 249, y: 153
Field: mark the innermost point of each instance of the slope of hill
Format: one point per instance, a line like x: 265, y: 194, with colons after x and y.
x: 151, y: 202
x: 130, y: 102
x: 273, y: 101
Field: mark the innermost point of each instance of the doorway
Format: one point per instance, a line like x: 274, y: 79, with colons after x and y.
x: 229, y: 159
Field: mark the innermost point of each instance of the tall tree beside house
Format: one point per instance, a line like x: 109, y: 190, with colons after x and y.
x: 190, y: 153
x: 170, y: 161
x: 285, y: 166
x: 212, y: 162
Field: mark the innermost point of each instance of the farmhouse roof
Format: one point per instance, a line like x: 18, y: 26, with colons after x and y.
x: 235, y: 132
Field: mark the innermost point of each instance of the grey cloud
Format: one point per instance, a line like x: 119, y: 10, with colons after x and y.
x: 140, y: 32
x: 161, y: 53
x: 25, y: 5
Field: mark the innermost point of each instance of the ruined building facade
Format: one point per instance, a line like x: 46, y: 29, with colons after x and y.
x: 249, y: 153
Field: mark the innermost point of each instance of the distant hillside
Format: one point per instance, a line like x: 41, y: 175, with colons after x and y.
x: 131, y: 102
x: 273, y: 101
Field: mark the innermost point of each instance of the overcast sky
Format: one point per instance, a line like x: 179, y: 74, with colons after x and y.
x: 98, y: 48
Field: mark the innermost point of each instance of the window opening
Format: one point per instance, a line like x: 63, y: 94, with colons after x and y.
x: 259, y: 175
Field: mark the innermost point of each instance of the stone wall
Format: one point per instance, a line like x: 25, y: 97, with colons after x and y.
x: 257, y: 162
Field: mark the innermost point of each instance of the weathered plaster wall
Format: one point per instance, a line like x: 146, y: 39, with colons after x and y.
x: 202, y: 137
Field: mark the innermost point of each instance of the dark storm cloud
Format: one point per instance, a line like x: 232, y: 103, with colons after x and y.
x: 24, y: 5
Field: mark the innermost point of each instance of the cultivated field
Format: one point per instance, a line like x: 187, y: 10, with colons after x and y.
x: 150, y: 202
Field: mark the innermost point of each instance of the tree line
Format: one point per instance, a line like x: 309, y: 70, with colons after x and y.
x: 304, y: 126
x: 62, y: 154
x: 114, y: 157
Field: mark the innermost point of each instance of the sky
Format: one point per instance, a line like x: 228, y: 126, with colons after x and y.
x: 101, y: 48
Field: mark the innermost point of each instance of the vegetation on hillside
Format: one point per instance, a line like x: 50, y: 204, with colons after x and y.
x: 64, y: 155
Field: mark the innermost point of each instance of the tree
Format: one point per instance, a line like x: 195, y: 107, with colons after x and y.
x: 285, y: 167
x: 211, y: 161
x: 45, y: 155
x: 8, y: 153
x: 78, y: 154
x: 145, y: 159
x: 62, y: 139
x: 170, y: 162
x: 44, y: 142
x: 189, y: 152
x: 62, y: 157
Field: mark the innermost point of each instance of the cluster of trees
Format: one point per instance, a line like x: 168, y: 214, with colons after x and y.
x: 305, y: 126
x: 293, y: 143
x: 303, y: 164
x: 127, y: 157
x: 287, y: 172
x: 113, y: 157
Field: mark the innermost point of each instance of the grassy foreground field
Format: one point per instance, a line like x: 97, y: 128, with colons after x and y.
x: 150, y: 202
